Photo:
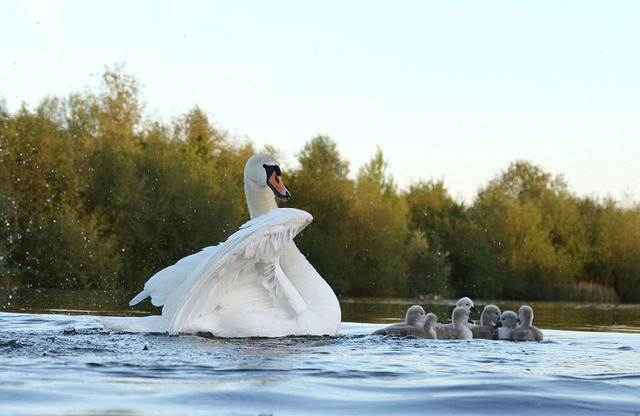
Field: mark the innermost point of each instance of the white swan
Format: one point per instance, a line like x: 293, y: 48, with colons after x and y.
x: 255, y: 284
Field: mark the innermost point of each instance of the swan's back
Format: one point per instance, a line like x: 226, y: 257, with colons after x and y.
x: 426, y: 329
x: 402, y: 330
x: 526, y: 333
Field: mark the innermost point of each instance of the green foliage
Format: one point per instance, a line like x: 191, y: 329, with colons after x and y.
x: 46, y: 241
x: 615, y: 250
x: 428, y: 271
x: 534, y: 228
x: 378, y: 231
x: 92, y: 195
x: 322, y: 188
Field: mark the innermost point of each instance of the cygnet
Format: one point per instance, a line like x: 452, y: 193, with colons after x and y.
x: 466, y: 303
x: 460, y: 316
x: 413, y: 317
x: 526, y: 331
x: 507, y: 323
x: 425, y: 330
x: 490, y: 316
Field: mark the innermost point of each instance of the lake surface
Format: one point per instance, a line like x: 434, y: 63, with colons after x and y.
x: 65, y: 363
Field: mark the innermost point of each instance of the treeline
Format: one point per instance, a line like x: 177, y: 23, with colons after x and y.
x: 93, y: 195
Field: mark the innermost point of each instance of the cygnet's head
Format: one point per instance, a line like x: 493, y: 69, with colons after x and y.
x: 525, y: 313
x: 430, y: 321
x: 414, y: 315
x: 460, y: 316
x: 264, y: 171
x: 490, y: 315
x: 508, y: 319
x: 467, y: 304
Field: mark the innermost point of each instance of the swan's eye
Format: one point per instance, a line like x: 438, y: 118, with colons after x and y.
x: 271, y: 169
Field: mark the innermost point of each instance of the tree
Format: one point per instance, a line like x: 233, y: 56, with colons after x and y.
x: 321, y: 187
x: 378, y: 231
x: 428, y: 271
x: 49, y: 241
x: 534, y: 227
x: 200, y: 137
x: 432, y: 214
x: 117, y: 109
x: 614, y: 258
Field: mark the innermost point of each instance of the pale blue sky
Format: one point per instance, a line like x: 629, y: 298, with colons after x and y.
x: 452, y: 90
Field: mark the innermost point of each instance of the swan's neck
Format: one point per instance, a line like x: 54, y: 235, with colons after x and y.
x: 313, y: 288
x: 260, y: 199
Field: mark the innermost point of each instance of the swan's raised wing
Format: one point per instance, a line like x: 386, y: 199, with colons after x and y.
x: 246, y: 266
x: 163, y: 283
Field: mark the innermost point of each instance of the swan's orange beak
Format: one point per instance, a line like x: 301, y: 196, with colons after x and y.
x: 277, y: 186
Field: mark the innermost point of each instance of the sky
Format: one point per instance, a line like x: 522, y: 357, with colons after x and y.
x: 449, y: 90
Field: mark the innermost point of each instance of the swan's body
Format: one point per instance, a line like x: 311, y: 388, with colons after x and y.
x: 490, y: 316
x: 460, y: 316
x: 507, y: 324
x: 255, y: 284
x: 425, y: 329
x: 526, y: 331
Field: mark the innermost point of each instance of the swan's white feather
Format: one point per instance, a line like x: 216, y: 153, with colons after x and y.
x: 161, y: 284
x: 231, y: 270
x: 240, y: 276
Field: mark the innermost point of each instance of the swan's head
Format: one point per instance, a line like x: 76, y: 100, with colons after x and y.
x: 467, y: 304
x: 414, y: 315
x: 264, y: 171
x: 508, y: 319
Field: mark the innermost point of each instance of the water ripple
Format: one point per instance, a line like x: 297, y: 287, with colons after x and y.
x: 47, y: 368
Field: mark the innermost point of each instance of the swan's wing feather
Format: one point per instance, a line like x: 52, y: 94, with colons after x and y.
x: 281, y: 290
x: 233, y: 267
x: 163, y: 283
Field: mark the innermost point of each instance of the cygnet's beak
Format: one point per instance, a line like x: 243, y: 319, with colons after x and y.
x: 474, y: 310
x: 498, y: 325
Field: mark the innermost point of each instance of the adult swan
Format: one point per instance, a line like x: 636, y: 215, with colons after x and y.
x: 255, y: 284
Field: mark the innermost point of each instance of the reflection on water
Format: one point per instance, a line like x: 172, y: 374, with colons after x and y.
x: 548, y: 315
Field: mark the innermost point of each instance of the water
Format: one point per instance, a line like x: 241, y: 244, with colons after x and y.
x: 66, y: 364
